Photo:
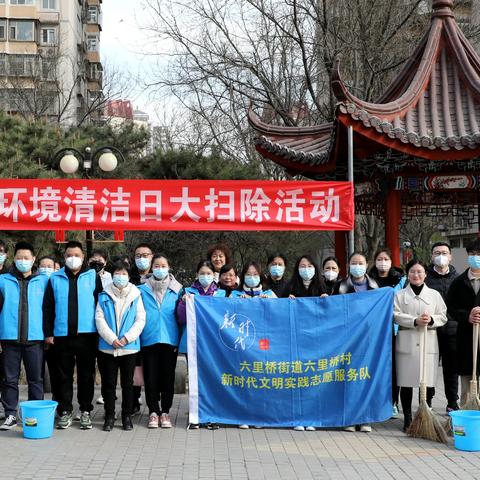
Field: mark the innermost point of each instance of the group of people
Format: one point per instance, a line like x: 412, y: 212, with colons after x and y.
x: 134, y: 315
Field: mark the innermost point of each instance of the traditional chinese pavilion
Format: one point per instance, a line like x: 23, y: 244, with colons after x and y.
x: 416, y: 151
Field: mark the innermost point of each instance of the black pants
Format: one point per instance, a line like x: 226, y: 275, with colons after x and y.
x: 51, y: 364
x: 32, y: 356
x: 159, y: 362
x: 79, y: 350
x: 109, y: 366
x: 137, y: 391
x: 406, y: 395
x: 447, y: 345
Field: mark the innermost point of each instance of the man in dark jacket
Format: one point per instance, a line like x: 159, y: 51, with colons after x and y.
x: 463, y: 303
x: 440, y: 275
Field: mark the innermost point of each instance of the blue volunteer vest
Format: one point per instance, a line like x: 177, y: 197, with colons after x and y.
x: 10, y: 289
x: 160, y: 324
x: 182, y: 348
x: 107, y: 304
x: 86, y: 284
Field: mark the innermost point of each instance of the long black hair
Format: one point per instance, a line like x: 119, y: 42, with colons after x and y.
x: 317, y: 285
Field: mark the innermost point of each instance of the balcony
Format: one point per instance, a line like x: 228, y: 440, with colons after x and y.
x: 49, y: 17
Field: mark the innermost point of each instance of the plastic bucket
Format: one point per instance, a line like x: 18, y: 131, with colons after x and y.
x: 466, y: 430
x: 38, y: 417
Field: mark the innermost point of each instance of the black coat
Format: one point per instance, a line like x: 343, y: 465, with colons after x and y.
x: 460, y: 300
x: 346, y: 285
x: 391, y: 280
x: 441, y: 283
x: 278, y: 287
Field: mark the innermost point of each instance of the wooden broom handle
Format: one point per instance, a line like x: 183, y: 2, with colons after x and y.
x: 475, y: 350
x: 424, y: 355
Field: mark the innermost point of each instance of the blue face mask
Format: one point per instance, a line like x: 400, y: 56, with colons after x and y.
x: 307, y: 273
x: 252, y: 281
x: 474, y: 261
x: 277, y: 271
x: 120, y: 281
x: 3, y: 257
x: 160, y: 273
x: 24, y: 266
x: 142, y: 264
x: 205, y: 280
x: 358, y: 271
x: 45, y: 271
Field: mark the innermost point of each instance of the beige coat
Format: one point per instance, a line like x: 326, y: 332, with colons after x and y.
x: 408, y: 345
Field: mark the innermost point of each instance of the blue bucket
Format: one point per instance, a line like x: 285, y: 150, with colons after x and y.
x: 38, y: 417
x: 466, y: 430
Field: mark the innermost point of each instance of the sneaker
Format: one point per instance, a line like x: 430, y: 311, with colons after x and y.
x: 213, y: 426
x: 244, y: 426
x: 77, y: 417
x: 310, y: 429
x: 452, y: 407
x: 9, y: 423
x: 135, y: 410
x: 153, y: 420
x: 165, y: 421
x: 394, y: 412
x: 351, y: 428
x: 65, y: 420
x: 299, y: 428
x: 193, y: 426
x: 108, y: 424
x: 365, y: 428
x: 100, y: 401
x: 85, y: 421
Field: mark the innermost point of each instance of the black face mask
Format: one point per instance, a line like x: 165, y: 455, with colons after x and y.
x: 97, y: 266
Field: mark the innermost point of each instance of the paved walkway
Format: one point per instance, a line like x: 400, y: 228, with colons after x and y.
x: 230, y: 453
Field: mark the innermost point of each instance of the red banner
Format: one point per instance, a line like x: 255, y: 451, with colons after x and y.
x: 174, y: 205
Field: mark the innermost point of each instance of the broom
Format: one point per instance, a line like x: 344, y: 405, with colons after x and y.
x: 472, y: 402
x: 425, y: 424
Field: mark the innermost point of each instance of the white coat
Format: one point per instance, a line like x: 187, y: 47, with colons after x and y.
x: 408, y: 345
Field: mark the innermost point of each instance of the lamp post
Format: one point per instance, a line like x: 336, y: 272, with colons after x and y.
x: 104, y: 157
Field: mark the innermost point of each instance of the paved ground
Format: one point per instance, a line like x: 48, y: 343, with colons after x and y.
x: 231, y: 453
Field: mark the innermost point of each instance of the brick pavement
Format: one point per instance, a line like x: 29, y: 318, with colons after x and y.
x: 230, y: 453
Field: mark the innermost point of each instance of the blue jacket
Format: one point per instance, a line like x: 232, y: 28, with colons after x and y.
x: 239, y: 293
x: 10, y: 291
x: 86, y: 284
x: 161, y: 323
x: 182, y: 348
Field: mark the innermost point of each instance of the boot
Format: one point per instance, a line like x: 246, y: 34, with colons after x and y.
x: 127, y: 422
x: 109, y: 422
x: 407, y: 420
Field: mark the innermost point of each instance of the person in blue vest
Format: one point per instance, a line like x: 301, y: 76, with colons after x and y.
x: 3, y: 270
x: 120, y: 319
x: 159, y: 340
x: 251, y: 283
x: 204, y: 285
x: 69, y: 323
x: 21, y: 330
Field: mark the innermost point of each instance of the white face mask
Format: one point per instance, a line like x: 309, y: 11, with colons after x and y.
x: 73, y: 263
x: 441, y: 260
x: 330, y: 275
x: 383, y: 265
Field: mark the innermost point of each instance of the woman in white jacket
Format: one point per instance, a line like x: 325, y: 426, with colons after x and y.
x: 120, y: 318
x: 417, y: 306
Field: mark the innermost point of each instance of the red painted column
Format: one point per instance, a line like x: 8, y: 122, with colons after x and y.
x: 341, y: 251
x: 393, y: 218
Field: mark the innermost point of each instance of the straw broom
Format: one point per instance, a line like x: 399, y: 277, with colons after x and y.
x: 425, y: 424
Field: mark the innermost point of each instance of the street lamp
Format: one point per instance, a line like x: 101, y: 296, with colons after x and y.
x: 103, y: 157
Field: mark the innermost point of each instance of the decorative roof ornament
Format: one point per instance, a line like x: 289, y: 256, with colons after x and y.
x: 442, y: 8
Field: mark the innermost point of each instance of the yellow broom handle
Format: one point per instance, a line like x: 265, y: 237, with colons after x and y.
x: 475, y: 350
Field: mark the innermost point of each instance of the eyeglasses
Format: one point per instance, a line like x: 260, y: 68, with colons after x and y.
x: 143, y: 255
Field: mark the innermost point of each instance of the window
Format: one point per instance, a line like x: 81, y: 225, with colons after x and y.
x: 3, y: 29
x: 48, y: 36
x: 16, y: 65
x: 22, y: 2
x: 92, y: 14
x: 50, y: 4
x: 3, y: 64
x: 21, y: 30
x: 92, y: 43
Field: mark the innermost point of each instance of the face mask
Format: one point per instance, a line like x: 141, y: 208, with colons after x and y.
x: 205, y: 280
x: 73, y: 263
x: 45, y: 271
x: 277, y: 270
x: 474, y: 261
x: 358, y: 271
x: 97, y: 266
x: 383, y: 265
x: 3, y: 257
x: 306, y: 273
x: 330, y: 275
x: 252, y: 281
x: 142, y: 264
x: 24, y: 265
x: 160, y: 273
x: 120, y: 281
x: 441, y: 260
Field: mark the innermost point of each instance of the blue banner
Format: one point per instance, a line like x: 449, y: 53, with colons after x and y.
x: 322, y: 362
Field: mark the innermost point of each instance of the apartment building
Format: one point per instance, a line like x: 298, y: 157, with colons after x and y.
x: 50, y: 59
